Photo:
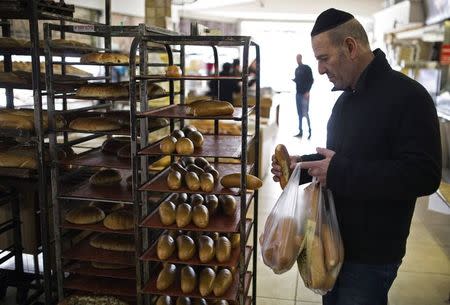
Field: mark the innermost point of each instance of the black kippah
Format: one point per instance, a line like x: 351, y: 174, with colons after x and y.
x: 330, y: 19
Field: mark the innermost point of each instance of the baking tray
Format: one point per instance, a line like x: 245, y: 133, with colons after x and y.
x: 121, y: 132
x: 217, y: 223
x: 69, y: 52
x: 97, y: 158
x: 99, y: 285
x: 78, y: 187
x: 98, y: 227
x: 222, y: 146
x: 159, y: 183
x: 82, y: 251
x: 231, y: 294
x: 180, y: 111
x: 84, y: 268
x: 150, y: 255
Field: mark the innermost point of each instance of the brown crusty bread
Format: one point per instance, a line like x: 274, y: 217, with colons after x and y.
x: 210, y: 108
x: 9, y: 42
x: 119, y: 220
x: 284, y: 160
x: 106, y: 177
x: 107, y: 207
x: 85, y: 215
x: 113, y: 242
x: 91, y: 300
x: 111, y: 146
x: 103, y: 91
x: 104, y: 58
x: 94, y: 124
x: 98, y: 265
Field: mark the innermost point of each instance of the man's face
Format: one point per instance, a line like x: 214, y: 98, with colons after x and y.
x: 332, y: 61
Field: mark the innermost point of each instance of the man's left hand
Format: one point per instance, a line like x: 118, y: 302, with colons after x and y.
x: 319, y: 169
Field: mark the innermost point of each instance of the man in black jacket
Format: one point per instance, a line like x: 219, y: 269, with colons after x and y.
x: 383, y: 151
x: 303, y: 81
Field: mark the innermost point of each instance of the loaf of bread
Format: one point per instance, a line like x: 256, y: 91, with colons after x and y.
x: 104, y: 58
x: 26, y: 67
x: 105, y: 177
x: 113, y: 242
x: 154, y: 90
x: 284, y: 160
x: 173, y: 71
x: 9, y: 42
x: 91, y: 300
x: 85, y: 215
x: 67, y: 43
x: 119, y: 220
x: 107, y: 207
x: 103, y: 91
x: 12, y: 78
x: 98, y: 265
x: 120, y: 116
x: 111, y: 146
x: 19, y: 157
x: 24, y: 119
x: 94, y: 124
x: 210, y: 108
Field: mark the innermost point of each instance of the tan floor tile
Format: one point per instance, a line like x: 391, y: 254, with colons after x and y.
x: 271, y: 285
x: 420, y: 289
x: 271, y: 301
x: 441, y: 233
x: 425, y: 258
x: 429, y: 216
x: 421, y: 234
x: 306, y: 295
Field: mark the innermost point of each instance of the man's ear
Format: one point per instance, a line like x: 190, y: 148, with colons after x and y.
x: 351, y: 46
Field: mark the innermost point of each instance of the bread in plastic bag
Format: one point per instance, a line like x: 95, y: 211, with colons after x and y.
x: 282, y: 239
x: 322, y: 256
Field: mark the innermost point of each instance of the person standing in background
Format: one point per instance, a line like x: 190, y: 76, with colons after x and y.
x: 227, y: 87
x: 303, y: 80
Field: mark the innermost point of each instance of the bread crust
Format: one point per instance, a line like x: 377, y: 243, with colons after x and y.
x: 94, y: 124
x: 104, y: 58
x: 284, y: 160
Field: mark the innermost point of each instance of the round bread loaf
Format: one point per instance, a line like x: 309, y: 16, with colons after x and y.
x: 105, y: 177
x: 113, y: 242
x: 85, y: 215
x: 119, y: 220
x: 104, y: 58
x: 108, y: 266
x: 107, y: 207
x: 103, y: 91
x: 111, y: 146
x: 94, y: 124
x: 154, y: 90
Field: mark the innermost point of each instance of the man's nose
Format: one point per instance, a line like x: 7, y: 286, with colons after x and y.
x: 322, y: 69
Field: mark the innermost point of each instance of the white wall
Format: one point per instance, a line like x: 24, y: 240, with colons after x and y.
x: 128, y: 7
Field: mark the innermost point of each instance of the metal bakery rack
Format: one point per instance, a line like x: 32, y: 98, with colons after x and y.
x: 70, y: 176
x: 216, y: 147
x: 35, y: 180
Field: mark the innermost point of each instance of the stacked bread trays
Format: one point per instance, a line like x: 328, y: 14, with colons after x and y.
x: 174, y: 259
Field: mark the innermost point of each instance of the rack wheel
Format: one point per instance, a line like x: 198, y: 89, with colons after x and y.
x: 21, y: 295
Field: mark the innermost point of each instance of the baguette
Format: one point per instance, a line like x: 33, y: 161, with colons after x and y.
x: 104, y: 58
x: 234, y: 180
x: 94, y: 124
x: 210, y: 108
x: 330, y: 247
x: 284, y: 160
x: 316, y: 263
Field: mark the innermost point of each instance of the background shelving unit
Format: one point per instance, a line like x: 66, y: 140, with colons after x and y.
x: 71, y: 188
x: 35, y: 180
x: 216, y: 147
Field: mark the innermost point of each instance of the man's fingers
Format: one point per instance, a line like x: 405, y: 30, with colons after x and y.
x: 327, y: 153
x: 276, y: 179
x: 309, y: 164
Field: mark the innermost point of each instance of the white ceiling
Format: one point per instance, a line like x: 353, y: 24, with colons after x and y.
x: 275, y: 9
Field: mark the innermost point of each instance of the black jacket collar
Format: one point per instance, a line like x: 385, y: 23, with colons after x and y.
x: 377, y: 67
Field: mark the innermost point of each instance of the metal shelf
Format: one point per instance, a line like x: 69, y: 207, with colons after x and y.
x: 159, y: 183
x: 180, y: 112
x: 222, y: 146
x: 175, y: 290
x: 98, y: 285
x: 82, y: 268
x: 218, y: 223
x: 82, y: 251
x: 98, y: 227
x: 78, y: 187
x: 97, y: 158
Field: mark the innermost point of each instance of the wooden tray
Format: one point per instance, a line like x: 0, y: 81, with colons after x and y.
x: 99, y: 285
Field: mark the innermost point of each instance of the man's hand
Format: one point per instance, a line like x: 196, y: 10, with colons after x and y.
x: 306, y: 95
x: 319, y: 169
x: 276, y: 168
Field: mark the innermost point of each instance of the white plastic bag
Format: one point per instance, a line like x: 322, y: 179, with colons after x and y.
x: 282, y: 240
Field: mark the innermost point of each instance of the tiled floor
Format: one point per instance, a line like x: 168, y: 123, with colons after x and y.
x: 423, y: 278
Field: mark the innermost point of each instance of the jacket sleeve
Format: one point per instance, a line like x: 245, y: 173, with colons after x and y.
x: 304, y: 176
x: 414, y: 169
x: 310, y: 80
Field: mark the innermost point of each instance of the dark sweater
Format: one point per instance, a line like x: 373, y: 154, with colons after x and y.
x: 388, y: 152
x: 303, y: 78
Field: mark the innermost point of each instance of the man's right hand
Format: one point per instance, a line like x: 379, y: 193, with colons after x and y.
x: 276, y: 168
